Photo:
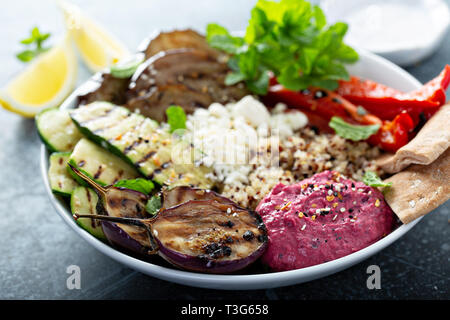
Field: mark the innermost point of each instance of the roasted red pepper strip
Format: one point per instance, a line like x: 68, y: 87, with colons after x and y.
x: 386, y: 103
x: 394, y: 134
x: 321, y: 105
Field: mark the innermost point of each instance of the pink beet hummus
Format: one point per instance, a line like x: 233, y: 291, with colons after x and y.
x: 320, y: 219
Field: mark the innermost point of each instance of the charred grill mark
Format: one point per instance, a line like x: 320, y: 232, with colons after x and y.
x: 112, y: 203
x: 133, y: 145
x: 60, y: 161
x: 99, y: 130
x: 145, y: 158
x: 99, y: 172
x: 99, y: 117
x: 228, y: 224
x: 119, y: 176
x: 216, y: 250
x: 88, y: 196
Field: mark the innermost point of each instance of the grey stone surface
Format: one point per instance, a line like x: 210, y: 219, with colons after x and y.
x: 36, y: 246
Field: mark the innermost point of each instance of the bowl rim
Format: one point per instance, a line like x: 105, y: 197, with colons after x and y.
x: 223, y: 281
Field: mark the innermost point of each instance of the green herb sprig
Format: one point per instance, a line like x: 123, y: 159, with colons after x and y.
x: 153, y: 205
x: 34, y: 45
x: 351, y: 131
x: 140, y: 184
x: 290, y: 38
x: 371, y: 179
x: 176, y: 118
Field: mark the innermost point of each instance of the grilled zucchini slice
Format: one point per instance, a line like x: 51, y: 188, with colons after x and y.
x: 141, y: 142
x: 84, y: 201
x: 56, y: 130
x: 61, y: 182
x: 100, y: 164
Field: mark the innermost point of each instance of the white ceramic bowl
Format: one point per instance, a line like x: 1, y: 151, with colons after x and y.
x: 402, y: 31
x: 369, y: 66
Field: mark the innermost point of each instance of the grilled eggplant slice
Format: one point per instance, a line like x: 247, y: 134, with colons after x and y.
x: 121, y: 203
x: 141, y: 142
x: 209, y: 236
x: 181, y: 194
x: 61, y: 182
x: 105, y: 87
x: 190, y: 78
x: 99, y: 164
x: 212, y: 235
x: 177, y: 39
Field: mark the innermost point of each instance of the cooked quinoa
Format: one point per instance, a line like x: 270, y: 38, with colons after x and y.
x: 301, y: 156
x: 301, y: 152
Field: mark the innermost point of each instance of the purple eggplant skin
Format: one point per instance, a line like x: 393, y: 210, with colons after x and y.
x: 122, y: 203
x: 217, y: 237
x: 119, y: 238
x: 126, y: 203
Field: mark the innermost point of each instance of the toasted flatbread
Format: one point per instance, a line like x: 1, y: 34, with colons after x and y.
x: 431, y: 141
x: 420, y: 189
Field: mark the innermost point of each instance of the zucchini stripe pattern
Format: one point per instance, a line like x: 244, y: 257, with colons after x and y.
x: 141, y: 142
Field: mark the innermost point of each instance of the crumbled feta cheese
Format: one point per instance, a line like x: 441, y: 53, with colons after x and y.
x: 233, y: 138
x: 252, y: 110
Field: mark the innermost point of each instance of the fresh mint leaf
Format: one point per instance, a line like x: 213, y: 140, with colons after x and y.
x: 371, y: 179
x: 139, y: 184
x: 286, y: 36
x: 352, y: 132
x: 176, y: 118
x: 26, y: 55
x: 233, y: 78
x: 34, y: 45
x: 259, y: 85
x: 153, y: 205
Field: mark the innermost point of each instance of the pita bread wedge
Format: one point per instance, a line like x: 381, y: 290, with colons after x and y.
x: 420, y: 189
x: 431, y: 141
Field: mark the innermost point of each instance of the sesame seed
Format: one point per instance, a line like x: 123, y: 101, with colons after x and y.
x: 342, y: 209
x: 303, y: 228
x: 300, y: 214
x: 377, y: 203
x: 334, y: 218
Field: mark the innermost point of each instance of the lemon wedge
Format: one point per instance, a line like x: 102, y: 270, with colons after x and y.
x: 97, y: 47
x: 45, y: 83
